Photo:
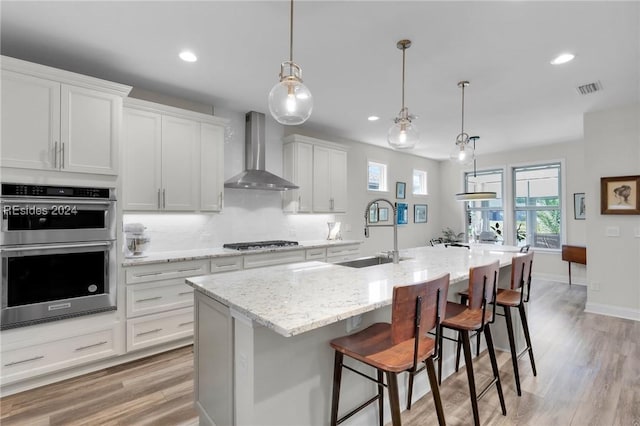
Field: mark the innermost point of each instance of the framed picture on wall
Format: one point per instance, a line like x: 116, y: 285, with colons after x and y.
x: 620, y: 195
x: 400, y: 190
x: 373, y: 213
x: 419, y: 213
x: 403, y: 213
x: 578, y: 206
x: 383, y: 214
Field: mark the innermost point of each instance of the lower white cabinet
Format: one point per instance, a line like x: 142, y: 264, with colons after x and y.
x: 343, y: 252
x: 159, y: 302
x: 159, y: 328
x: 22, y: 362
x: 273, y: 258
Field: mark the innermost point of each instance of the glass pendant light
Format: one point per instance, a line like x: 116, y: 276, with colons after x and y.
x: 463, y: 153
x: 403, y: 134
x: 290, y: 102
x: 478, y: 195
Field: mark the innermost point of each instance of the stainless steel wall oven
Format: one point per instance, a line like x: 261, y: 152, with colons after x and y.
x: 57, y: 252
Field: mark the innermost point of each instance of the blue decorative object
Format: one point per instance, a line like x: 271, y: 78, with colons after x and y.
x: 403, y: 213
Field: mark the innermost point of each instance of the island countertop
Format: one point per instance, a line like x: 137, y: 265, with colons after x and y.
x: 296, y: 298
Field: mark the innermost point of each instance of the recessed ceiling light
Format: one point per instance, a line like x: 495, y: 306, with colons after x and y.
x: 373, y: 118
x: 188, y: 56
x: 563, y: 58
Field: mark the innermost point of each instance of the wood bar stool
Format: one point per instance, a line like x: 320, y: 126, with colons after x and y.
x: 474, y: 317
x: 396, y: 347
x: 515, y: 298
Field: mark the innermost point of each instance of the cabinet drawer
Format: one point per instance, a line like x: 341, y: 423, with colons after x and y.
x: 30, y: 361
x: 273, y: 258
x: 159, y: 328
x: 222, y: 264
x: 338, y: 253
x: 316, y: 254
x: 165, y: 271
x: 150, y: 298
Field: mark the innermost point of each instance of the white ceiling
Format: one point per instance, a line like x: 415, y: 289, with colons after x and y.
x: 347, y: 50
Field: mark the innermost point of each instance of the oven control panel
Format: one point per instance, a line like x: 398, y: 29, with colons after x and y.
x: 19, y: 190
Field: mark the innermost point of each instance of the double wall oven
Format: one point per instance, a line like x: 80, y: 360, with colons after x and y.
x: 57, y: 251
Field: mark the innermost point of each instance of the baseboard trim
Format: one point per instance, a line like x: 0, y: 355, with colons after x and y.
x: 560, y: 278
x: 612, y: 311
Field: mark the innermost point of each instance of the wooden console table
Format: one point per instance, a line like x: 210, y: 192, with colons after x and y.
x: 577, y: 254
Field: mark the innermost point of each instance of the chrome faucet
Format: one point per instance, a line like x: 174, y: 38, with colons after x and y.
x: 395, y: 254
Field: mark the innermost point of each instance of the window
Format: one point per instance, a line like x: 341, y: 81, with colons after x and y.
x: 377, y: 176
x: 485, y: 218
x: 419, y: 182
x: 537, y: 206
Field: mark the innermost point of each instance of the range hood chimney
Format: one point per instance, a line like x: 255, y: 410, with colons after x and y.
x: 255, y: 176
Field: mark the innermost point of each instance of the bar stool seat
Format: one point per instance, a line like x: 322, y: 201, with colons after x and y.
x: 508, y: 297
x: 396, y: 347
x: 475, y: 317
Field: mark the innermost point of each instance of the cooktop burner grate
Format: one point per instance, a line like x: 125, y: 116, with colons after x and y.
x: 255, y: 245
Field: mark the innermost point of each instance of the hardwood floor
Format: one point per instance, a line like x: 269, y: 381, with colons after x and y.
x: 588, y: 374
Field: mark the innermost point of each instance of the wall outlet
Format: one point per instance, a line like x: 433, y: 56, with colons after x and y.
x: 612, y: 231
x: 353, y: 323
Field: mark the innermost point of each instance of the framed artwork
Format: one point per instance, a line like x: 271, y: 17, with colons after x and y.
x: 403, y: 213
x: 419, y: 213
x: 620, y: 195
x: 400, y: 190
x: 578, y: 206
x: 373, y: 213
x: 383, y: 214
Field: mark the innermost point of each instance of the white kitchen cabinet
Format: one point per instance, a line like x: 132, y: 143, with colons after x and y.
x: 319, y: 168
x: 164, y: 327
x: 258, y: 260
x: 173, y: 159
x: 344, y: 252
x: 329, y: 180
x: 22, y: 361
x: 59, y: 121
x: 298, y: 168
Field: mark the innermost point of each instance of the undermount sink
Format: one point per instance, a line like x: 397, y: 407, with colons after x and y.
x: 363, y: 262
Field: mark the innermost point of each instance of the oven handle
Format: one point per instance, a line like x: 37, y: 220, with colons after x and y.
x: 56, y: 201
x: 57, y: 246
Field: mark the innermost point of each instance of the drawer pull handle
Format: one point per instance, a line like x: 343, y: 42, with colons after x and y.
x: 148, y: 299
x: 35, y: 358
x: 148, y: 274
x: 184, y: 293
x: 82, y: 348
x: 189, y: 269
x: 185, y: 323
x: 225, y: 265
x: 149, y: 332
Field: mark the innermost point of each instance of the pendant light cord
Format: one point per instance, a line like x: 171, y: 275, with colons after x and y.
x: 291, y: 33
x: 404, y: 49
x: 462, y: 128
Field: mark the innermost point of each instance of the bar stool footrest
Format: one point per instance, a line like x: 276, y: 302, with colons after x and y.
x: 358, y: 409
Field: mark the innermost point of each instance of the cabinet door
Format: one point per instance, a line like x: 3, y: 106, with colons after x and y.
x: 89, y: 126
x: 322, y: 179
x: 298, y: 168
x: 211, y: 167
x: 180, y: 163
x: 338, y: 181
x: 30, y: 121
x: 141, y: 160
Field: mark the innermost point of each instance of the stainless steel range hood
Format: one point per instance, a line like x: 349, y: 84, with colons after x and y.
x: 255, y: 176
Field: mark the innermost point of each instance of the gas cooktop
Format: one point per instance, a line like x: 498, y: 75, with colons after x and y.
x: 256, y: 245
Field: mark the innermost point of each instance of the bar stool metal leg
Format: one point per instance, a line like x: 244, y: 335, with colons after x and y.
x: 337, y: 378
x: 394, y: 398
x: 466, y: 348
x: 494, y: 366
x: 525, y: 327
x: 381, y: 399
x: 435, y: 390
x: 512, y: 347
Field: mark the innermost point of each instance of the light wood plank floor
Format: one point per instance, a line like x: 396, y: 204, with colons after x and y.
x: 588, y: 374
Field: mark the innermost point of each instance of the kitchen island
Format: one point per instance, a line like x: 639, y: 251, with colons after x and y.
x: 262, y: 354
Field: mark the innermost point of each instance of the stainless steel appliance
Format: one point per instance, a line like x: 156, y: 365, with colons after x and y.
x: 257, y: 245
x: 57, y: 251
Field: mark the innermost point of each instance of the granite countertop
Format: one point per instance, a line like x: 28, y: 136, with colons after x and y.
x: 207, y: 253
x: 295, y: 298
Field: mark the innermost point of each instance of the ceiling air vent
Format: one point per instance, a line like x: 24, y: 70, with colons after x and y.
x: 585, y: 89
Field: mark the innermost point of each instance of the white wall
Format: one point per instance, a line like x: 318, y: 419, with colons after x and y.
x: 612, y: 148
x: 548, y: 264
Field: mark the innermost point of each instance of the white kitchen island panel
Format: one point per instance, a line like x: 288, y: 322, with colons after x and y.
x: 278, y: 322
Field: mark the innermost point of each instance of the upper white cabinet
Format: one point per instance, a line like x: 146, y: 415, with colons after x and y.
x: 59, y: 121
x: 319, y: 168
x: 173, y: 159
